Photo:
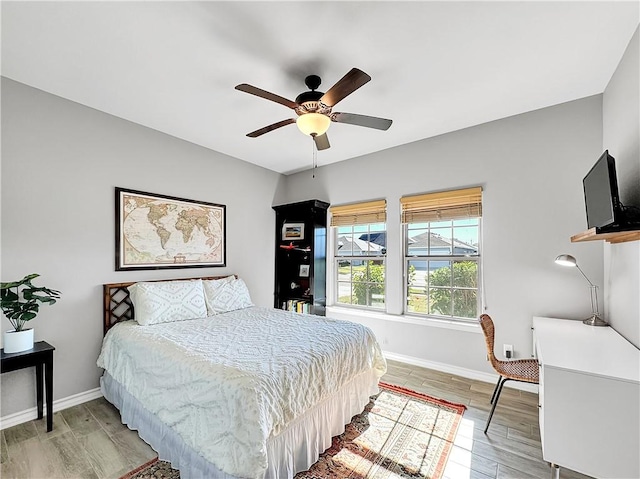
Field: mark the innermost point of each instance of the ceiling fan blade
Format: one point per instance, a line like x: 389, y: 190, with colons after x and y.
x: 322, y: 141
x: 265, y: 94
x: 345, y: 86
x: 362, y: 120
x: 267, y: 129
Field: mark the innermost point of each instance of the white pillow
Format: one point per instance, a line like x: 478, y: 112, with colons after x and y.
x: 211, y: 286
x: 223, y: 295
x: 166, y: 301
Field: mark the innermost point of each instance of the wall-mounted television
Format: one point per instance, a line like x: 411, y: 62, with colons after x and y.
x: 601, y: 196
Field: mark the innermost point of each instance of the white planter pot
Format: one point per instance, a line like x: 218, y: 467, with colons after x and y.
x: 16, y: 341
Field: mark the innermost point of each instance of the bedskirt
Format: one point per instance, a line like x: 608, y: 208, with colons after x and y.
x: 295, y: 449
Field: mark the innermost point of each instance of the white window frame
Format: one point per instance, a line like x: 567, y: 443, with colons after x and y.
x: 335, y: 270
x: 407, y: 258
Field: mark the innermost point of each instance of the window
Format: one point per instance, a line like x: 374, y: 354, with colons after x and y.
x: 442, y: 253
x: 360, y: 246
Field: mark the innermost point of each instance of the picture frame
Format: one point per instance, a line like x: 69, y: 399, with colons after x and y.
x: 155, y: 231
x: 304, y: 270
x: 293, y: 231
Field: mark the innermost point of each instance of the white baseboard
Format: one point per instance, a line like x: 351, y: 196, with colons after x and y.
x: 458, y: 371
x: 58, y: 405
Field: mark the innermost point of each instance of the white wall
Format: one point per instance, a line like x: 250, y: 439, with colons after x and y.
x: 531, y: 168
x: 60, y: 164
x: 621, y: 132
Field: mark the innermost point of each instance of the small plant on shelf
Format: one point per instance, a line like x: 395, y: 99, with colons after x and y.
x: 20, y: 300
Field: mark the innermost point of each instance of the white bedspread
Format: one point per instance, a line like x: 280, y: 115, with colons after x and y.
x: 228, y: 382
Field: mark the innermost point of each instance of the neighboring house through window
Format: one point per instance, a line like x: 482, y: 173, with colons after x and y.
x: 359, y: 235
x: 442, y: 253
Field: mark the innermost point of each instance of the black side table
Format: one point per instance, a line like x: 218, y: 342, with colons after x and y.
x: 40, y: 355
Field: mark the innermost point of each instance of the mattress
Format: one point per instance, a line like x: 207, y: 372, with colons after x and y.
x: 229, y: 384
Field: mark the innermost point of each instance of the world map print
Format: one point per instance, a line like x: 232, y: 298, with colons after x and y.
x: 158, y: 231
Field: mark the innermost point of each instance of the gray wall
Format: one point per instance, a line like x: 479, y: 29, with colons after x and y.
x: 530, y: 167
x: 621, y: 132
x: 60, y: 164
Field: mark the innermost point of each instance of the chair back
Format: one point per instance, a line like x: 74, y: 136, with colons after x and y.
x: 489, y: 338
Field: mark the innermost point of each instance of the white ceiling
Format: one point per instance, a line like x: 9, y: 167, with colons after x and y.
x: 435, y: 66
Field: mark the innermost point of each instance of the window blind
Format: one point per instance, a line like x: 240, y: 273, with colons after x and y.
x: 442, y: 206
x: 359, y: 213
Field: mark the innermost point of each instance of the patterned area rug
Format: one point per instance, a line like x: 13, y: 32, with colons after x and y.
x: 400, y: 434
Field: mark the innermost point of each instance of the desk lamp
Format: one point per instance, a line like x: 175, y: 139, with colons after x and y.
x: 594, y: 319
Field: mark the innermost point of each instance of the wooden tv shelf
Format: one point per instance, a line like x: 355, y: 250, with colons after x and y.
x: 613, y: 237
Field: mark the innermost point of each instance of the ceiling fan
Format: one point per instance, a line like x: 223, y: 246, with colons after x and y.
x: 314, y: 108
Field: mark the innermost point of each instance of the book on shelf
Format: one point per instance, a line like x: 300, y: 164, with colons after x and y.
x: 297, y: 306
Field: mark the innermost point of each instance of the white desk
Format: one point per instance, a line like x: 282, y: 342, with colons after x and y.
x: 589, y: 398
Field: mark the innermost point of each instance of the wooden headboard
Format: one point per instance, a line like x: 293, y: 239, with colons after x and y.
x: 117, y: 303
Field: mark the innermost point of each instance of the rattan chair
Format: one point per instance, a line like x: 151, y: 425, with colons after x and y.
x: 524, y: 370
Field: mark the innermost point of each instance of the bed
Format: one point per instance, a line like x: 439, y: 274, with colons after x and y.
x: 244, y: 392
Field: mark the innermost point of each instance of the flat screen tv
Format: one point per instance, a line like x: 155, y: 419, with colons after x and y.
x: 601, y: 194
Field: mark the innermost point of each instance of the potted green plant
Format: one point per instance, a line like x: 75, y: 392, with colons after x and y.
x: 20, y: 302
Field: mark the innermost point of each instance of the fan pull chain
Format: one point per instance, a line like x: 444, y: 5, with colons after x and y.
x: 314, y: 156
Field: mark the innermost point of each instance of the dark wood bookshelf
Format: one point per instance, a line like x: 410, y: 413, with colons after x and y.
x: 301, y: 257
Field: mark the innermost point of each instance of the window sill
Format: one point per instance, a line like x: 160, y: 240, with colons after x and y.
x: 349, y: 313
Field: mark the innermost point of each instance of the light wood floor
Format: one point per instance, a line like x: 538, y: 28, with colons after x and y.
x: 89, y: 442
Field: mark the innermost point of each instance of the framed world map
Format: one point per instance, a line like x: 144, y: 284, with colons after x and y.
x: 157, y: 231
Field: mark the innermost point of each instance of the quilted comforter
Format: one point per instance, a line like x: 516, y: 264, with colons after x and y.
x: 227, y: 383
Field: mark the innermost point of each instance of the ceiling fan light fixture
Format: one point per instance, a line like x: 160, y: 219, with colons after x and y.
x: 315, y: 108
x: 314, y: 124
